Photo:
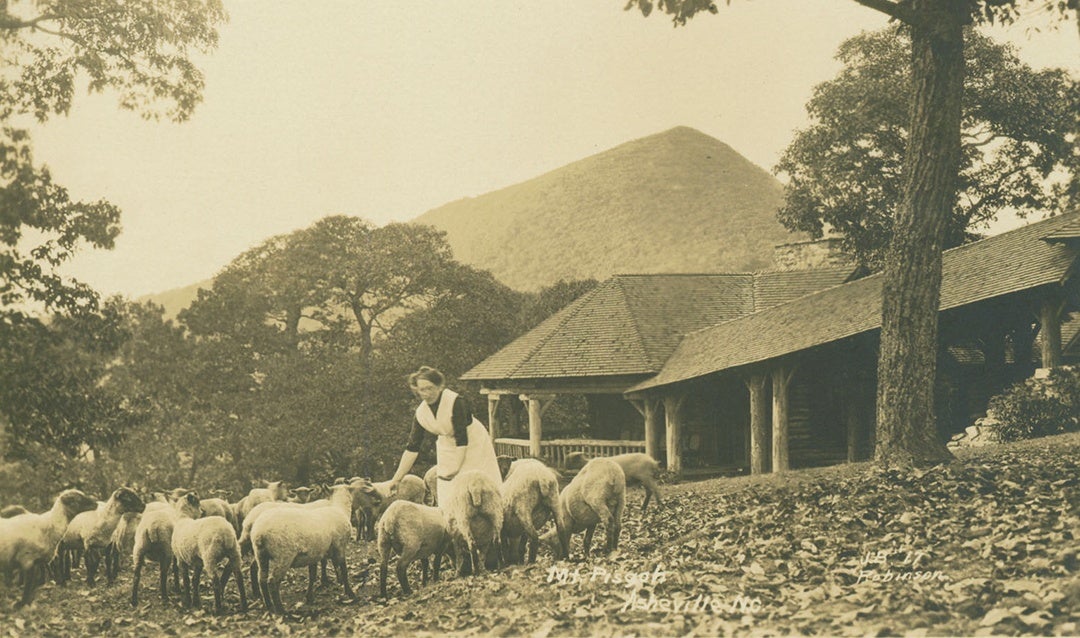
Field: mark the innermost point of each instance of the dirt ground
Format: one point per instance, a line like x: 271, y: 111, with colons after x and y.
x: 986, y: 545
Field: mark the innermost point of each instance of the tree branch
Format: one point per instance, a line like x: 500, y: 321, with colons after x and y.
x: 896, y: 10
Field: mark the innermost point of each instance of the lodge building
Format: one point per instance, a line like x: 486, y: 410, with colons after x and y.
x: 758, y: 372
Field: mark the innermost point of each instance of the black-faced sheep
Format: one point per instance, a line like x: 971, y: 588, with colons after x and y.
x: 531, y: 498
x: 28, y: 541
x: 11, y: 511
x: 205, y: 543
x: 475, y: 514
x: 638, y: 467
x: 92, y: 532
x: 286, y: 537
x: 596, y: 495
x: 413, y: 531
x: 373, y: 500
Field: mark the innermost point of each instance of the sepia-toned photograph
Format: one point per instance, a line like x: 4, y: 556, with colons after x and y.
x: 578, y: 318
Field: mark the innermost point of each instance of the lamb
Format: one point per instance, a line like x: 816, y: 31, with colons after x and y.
x: 531, y: 497
x: 596, y: 495
x: 28, y: 541
x: 91, y: 533
x: 11, y: 511
x: 376, y: 497
x: 153, y: 539
x: 638, y: 468
x: 286, y: 537
x: 204, y: 544
x: 274, y: 491
x: 414, y: 531
x: 475, y: 513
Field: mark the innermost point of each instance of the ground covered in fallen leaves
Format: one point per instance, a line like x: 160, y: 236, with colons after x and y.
x: 986, y: 545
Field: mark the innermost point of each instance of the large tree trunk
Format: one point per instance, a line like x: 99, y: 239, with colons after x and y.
x: 907, y: 432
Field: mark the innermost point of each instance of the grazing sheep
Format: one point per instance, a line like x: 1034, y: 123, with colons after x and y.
x: 596, y: 495
x: 531, y: 498
x: 249, y: 521
x: 638, y: 468
x: 205, y: 544
x: 286, y: 537
x: 28, y: 541
x: 93, y: 534
x: 431, y: 484
x: 475, y: 514
x: 11, y: 511
x: 373, y: 500
x: 153, y: 539
x: 414, y: 531
x: 274, y: 491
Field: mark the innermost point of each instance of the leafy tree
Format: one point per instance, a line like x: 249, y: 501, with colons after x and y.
x: 911, y: 281
x: 846, y: 169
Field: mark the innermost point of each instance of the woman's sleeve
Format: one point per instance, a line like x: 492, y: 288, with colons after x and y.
x: 461, y: 418
x: 416, y: 437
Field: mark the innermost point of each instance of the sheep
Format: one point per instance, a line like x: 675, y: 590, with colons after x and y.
x: 11, y: 511
x: 123, y: 539
x: 153, y: 539
x: 431, y: 484
x: 249, y: 521
x: 530, y: 497
x: 596, y: 495
x: 274, y: 491
x: 475, y: 514
x: 28, y: 541
x: 414, y: 531
x: 638, y: 468
x: 91, y: 533
x: 286, y: 537
x: 219, y: 507
x: 204, y: 544
x: 376, y: 497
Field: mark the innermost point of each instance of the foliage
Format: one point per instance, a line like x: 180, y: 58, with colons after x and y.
x: 1038, y: 407
x: 846, y: 169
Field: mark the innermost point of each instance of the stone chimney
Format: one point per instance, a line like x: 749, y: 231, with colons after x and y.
x: 813, y: 253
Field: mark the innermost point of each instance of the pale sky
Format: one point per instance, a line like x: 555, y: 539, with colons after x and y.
x: 386, y: 110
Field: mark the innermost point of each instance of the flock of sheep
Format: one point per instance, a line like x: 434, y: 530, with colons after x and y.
x: 485, y: 525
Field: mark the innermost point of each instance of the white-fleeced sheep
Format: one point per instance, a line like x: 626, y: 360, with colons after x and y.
x: 638, y: 467
x: 93, y: 534
x: 298, y: 536
x: 530, y: 498
x: 153, y: 540
x: 414, y: 531
x: 205, y: 544
x: 249, y: 521
x: 475, y: 514
x: 274, y: 491
x: 28, y: 541
x: 596, y: 495
x: 11, y: 511
x: 431, y: 486
x: 219, y: 507
x: 373, y: 500
x: 123, y: 540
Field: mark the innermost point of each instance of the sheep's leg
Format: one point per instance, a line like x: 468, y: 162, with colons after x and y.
x: 163, y: 572
x: 342, y: 571
x: 588, y: 539
x: 138, y: 560
x: 217, y: 582
x: 383, y: 568
x: 235, y: 566
x: 186, y: 591
x: 325, y: 580
x: 196, y: 579
x: 264, y: 585
x: 312, y: 576
x: 176, y: 575
x: 425, y: 566
x: 254, y: 571
x: 93, y: 560
x: 274, y: 587
x: 110, y: 556
x: 437, y: 565
x: 403, y: 576
x: 29, y: 585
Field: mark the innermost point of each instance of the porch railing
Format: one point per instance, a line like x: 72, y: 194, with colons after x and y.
x: 554, y: 451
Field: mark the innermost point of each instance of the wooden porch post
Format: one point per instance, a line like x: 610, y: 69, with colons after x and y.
x: 759, y: 414
x: 537, y: 403
x: 493, y: 415
x: 1050, y: 327
x: 673, y: 421
x: 781, y: 378
x: 850, y: 407
x: 650, y: 407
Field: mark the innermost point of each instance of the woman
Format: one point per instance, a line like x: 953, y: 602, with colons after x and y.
x: 462, y: 442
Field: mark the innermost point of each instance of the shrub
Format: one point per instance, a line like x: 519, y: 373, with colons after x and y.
x: 1038, y: 407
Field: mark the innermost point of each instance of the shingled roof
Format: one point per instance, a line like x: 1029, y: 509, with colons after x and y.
x: 630, y: 324
x: 1010, y: 262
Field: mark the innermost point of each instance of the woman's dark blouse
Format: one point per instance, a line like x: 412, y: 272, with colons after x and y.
x: 460, y: 418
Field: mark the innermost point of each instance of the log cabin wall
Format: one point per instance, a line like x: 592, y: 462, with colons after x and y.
x: 717, y: 424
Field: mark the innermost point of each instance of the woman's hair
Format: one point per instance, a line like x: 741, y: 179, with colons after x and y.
x: 427, y: 374
x: 412, y: 379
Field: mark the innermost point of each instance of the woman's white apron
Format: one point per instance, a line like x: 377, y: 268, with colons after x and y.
x: 479, y: 453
